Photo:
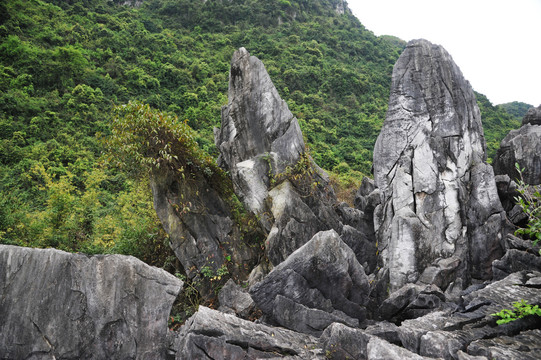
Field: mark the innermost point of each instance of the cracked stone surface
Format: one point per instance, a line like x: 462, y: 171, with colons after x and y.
x: 320, y: 283
x: 438, y: 196
x: 210, y: 334
x: 257, y: 131
x: 56, y: 305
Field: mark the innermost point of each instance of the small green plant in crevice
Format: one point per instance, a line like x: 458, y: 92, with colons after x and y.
x: 530, y: 202
x: 521, y: 309
x: 301, y: 174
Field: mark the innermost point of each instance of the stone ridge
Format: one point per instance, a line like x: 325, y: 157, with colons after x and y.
x: 438, y: 194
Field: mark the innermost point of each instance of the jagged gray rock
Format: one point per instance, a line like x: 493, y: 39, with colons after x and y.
x: 342, y: 342
x: 411, y: 301
x: 259, y: 136
x: 200, y: 225
x: 262, y: 147
x: 439, y: 197
x: 444, y: 333
x: 234, y: 299
x: 59, y: 305
x: 533, y: 116
x: 210, y: 334
x: 522, y: 146
x: 320, y: 283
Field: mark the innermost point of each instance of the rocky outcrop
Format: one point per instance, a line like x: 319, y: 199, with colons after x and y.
x: 262, y: 147
x: 320, y: 283
x: 259, y: 136
x: 56, y: 305
x: 200, y: 225
x: 522, y: 146
x: 210, y: 334
x: 439, y: 198
x: 444, y: 334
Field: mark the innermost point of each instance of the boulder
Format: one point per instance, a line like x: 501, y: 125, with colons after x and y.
x: 522, y: 146
x: 236, y: 300
x: 411, y: 301
x: 438, y: 196
x: 210, y: 334
x: 469, y: 330
x: 57, y: 305
x: 342, y: 342
x: 321, y: 280
x: 533, y: 116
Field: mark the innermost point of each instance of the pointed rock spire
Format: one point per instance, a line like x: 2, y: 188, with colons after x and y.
x: 439, y: 197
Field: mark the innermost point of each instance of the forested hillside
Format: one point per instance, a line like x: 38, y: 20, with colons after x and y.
x: 64, y: 64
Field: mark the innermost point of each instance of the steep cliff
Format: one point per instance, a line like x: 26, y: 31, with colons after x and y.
x: 262, y: 147
x: 439, y: 197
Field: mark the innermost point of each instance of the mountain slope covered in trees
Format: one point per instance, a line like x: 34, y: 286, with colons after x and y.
x: 64, y: 64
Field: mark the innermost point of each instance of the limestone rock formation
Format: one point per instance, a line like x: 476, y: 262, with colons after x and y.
x: 200, y: 224
x: 262, y: 147
x: 522, y: 146
x: 210, y: 334
x: 320, y: 283
x: 235, y: 300
x: 472, y: 330
x: 438, y: 195
x: 259, y: 136
x: 56, y: 305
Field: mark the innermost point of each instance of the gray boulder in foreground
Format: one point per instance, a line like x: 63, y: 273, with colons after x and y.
x: 439, y: 198
x: 210, y: 334
x: 57, y: 305
x: 320, y: 283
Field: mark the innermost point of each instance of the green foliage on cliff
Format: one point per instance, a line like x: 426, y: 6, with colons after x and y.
x: 516, y: 108
x: 64, y: 65
x: 496, y: 123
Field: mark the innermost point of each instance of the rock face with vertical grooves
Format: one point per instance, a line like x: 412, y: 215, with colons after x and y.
x: 259, y: 136
x: 262, y: 147
x: 438, y: 195
x: 522, y: 146
x: 70, y: 306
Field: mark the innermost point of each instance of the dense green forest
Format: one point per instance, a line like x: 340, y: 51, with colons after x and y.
x: 65, y: 64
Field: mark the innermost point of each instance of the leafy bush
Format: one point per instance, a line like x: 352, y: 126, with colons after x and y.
x: 522, y: 309
x: 530, y: 202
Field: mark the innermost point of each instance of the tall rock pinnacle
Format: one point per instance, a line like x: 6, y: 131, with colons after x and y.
x: 439, y: 199
x: 258, y: 131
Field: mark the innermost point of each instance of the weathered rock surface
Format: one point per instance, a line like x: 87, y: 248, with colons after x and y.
x: 199, y: 224
x: 56, y: 305
x: 533, y: 116
x: 342, y: 342
x: 522, y: 146
x: 210, y: 334
x: 444, y: 333
x: 262, y: 147
x: 235, y: 300
x: 411, y: 301
x: 439, y: 197
x: 320, y: 283
x: 259, y: 135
